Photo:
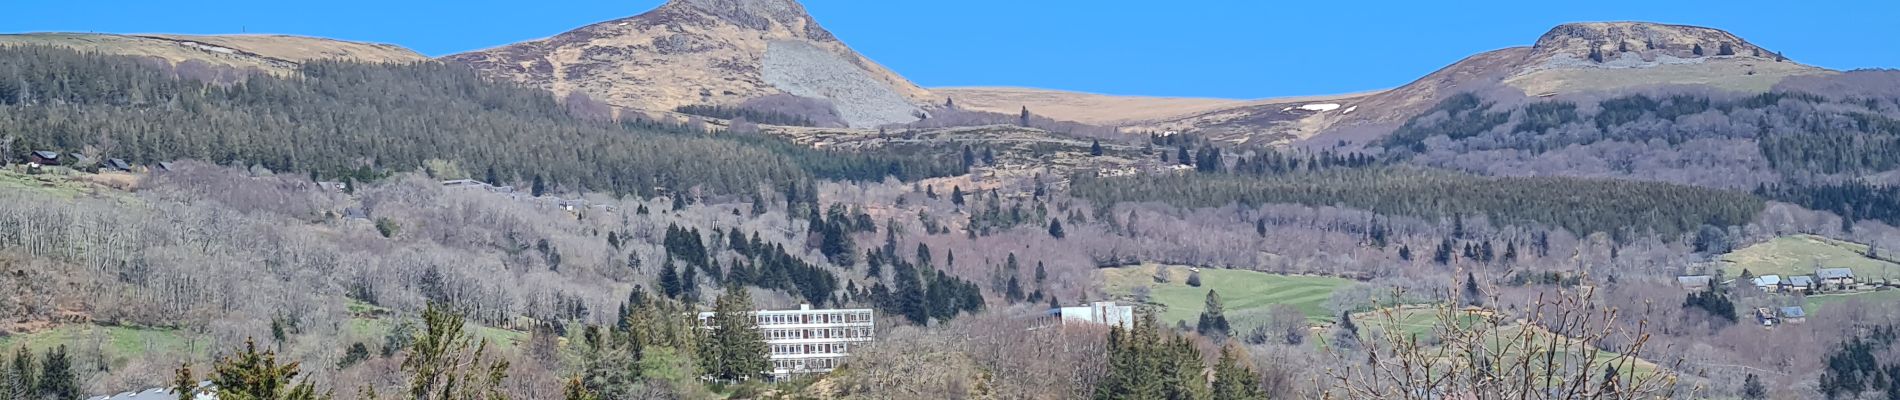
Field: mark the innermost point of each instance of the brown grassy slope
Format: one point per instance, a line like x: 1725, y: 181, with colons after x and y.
x: 278, y: 54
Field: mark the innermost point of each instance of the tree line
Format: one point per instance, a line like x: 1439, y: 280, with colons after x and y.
x: 46, y: 377
x: 1851, y: 200
x: 339, y: 119
x: 1582, y: 206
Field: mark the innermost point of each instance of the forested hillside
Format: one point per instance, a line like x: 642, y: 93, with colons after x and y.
x: 1583, y: 206
x: 1599, y: 240
x: 1702, y: 138
x: 344, y: 119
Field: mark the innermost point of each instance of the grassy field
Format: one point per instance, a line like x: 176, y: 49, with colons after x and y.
x: 53, y: 183
x: 1818, y: 302
x: 1247, y: 295
x: 1423, y: 321
x: 1797, y: 255
x: 376, y: 328
x: 119, y: 343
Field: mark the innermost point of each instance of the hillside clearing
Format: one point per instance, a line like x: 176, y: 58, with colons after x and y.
x: 119, y: 344
x: 1247, y: 295
x: 1801, y: 254
x: 1815, y: 303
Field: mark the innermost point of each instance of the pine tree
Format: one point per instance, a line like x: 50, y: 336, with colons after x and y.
x: 1725, y: 50
x: 57, y: 380
x: 1095, y: 148
x: 1041, y: 274
x: 1405, y: 253
x: 1697, y: 49
x: 1055, y: 228
x: 1610, y: 379
x: 184, y: 384
x: 1752, y: 388
x: 689, y: 284
x: 969, y: 158
x: 1024, y: 118
x: 250, y: 375
x: 1213, y: 319
x: 1184, y: 375
x: 910, y: 295
x: 1473, y: 296
x: 735, y: 349
x: 443, y: 364
x: 1444, y: 253
x: 22, y: 378
x: 1234, y: 380
x: 956, y: 195
x: 1013, y: 293
x: 540, y: 186
x: 669, y: 280
x: 1136, y: 362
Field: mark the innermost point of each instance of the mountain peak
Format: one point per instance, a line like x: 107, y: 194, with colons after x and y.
x: 1578, y: 39
x: 708, y: 52
x: 758, y: 15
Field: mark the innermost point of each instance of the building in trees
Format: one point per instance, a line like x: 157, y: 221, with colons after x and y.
x: 44, y: 158
x: 805, y: 340
x: 1100, y: 312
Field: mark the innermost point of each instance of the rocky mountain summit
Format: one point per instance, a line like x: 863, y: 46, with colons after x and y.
x: 707, y: 52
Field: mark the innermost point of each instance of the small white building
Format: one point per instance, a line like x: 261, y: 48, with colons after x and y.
x: 1100, y: 312
x: 1768, y: 283
x: 206, y: 392
x: 809, y: 341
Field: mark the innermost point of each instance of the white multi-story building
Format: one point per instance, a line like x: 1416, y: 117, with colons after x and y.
x: 1100, y: 312
x: 809, y: 341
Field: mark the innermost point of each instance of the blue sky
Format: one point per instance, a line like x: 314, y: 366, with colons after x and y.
x: 1236, y: 49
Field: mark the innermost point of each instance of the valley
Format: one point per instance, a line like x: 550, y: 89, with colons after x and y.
x: 1598, y: 213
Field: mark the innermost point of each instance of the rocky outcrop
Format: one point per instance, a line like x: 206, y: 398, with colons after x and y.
x: 720, y: 52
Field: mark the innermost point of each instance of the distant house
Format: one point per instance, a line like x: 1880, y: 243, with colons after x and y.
x: 1800, y: 283
x: 1696, y: 282
x: 334, y: 186
x: 164, y: 166
x: 1835, y: 276
x: 1766, y: 316
x: 1793, y: 315
x: 44, y: 157
x: 164, y: 393
x: 78, y: 160
x: 118, y: 165
x: 1769, y: 283
x: 1101, y: 312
